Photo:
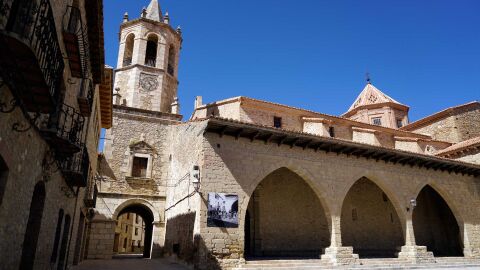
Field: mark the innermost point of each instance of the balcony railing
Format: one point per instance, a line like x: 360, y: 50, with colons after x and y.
x: 64, y: 131
x: 76, y: 42
x: 85, y: 97
x: 75, y: 168
x: 150, y: 62
x: 31, y: 62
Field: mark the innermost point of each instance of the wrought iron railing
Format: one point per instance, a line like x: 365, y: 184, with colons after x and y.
x: 32, y: 22
x: 76, y: 41
x: 76, y: 167
x: 65, y: 130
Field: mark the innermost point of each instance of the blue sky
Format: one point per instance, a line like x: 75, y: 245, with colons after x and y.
x: 314, y: 53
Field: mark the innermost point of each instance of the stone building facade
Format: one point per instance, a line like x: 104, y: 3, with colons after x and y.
x: 55, y: 96
x: 367, y: 184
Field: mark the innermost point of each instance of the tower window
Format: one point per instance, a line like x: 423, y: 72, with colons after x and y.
x: 277, y: 122
x: 128, y: 53
x: 171, y: 60
x: 331, y: 131
x: 377, y: 121
x: 136, y: 231
x: 399, y: 123
x: 151, y: 52
x: 139, y: 168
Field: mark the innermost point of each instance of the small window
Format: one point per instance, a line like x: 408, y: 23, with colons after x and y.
x: 377, y: 121
x: 331, y: 131
x: 136, y: 231
x: 139, y: 168
x: 399, y: 123
x: 277, y: 122
x: 126, y: 228
x: 125, y: 243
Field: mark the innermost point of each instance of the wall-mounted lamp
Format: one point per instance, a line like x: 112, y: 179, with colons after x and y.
x: 195, y: 174
x: 413, y: 204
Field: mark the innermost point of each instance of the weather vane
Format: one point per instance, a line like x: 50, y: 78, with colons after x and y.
x: 367, y: 76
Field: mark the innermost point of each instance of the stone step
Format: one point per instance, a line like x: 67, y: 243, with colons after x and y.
x: 383, y: 263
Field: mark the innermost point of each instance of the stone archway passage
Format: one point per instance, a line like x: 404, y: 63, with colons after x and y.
x: 285, y: 218
x: 435, y: 225
x: 148, y: 219
x: 369, y: 222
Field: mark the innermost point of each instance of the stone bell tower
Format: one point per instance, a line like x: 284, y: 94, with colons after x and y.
x: 146, y: 74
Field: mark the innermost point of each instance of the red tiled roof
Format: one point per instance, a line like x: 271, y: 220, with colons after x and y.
x: 439, y: 115
x: 468, y: 144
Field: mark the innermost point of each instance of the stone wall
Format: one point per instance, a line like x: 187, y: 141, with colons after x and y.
x: 460, y: 125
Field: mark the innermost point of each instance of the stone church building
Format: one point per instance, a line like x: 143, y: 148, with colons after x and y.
x: 243, y: 178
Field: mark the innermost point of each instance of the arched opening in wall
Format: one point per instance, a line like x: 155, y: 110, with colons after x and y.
x: 285, y: 218
x: 64, y: 245
x: 171, y: 60
x: 128, y: 51
x: 151, y: 52
x: 369, y: 222
x: 56, y: 241
x: 3, y: 178
x: 32, y: 231
x: 435, y: 225
x: 134, y: 231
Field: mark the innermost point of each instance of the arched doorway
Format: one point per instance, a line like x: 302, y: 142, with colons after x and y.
x: 285, y: 218
x: 134, y: 230
x: 435, y: 225
x: 29, y: 247
x: 369, y: 222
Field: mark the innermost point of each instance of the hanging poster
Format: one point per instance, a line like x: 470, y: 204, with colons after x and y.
x: 222, y: 210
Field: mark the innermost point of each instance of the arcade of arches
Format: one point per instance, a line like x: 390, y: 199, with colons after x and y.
x: 285, y: 218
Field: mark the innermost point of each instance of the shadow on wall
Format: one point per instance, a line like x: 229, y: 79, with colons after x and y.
x: 182, y: 244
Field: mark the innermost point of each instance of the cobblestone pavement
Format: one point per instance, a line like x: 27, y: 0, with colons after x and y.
x: 134, y: 264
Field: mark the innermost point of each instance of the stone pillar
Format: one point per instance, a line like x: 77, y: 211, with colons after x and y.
x: 410, y: 251
x: 471, y: 240
x: 336, y: 254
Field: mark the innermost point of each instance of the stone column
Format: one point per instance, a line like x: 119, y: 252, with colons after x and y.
x: 471, y: 240
x: 337, y: 254
x: 410, y: 251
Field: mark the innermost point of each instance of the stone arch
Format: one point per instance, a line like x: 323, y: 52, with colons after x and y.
x: 387, y: 189
x: 137, y: 201
x: 128, y: 49
x: 436, y: 224
x: 445, y: 196
x: 151, y: 50
x: 368, y: 210
x: 172, y: 58
x: 146, y: 210
x: 296, y: 202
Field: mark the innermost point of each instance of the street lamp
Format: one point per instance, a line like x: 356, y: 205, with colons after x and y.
x: 196, y: 177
